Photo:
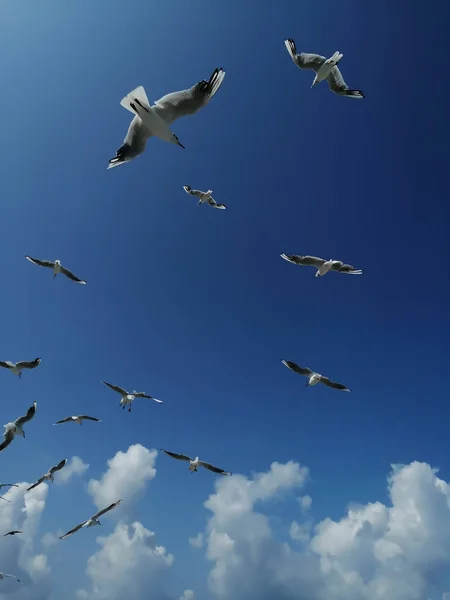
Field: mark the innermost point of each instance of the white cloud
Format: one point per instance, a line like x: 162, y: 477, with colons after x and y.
x: 197, y: 541
x: 74, y: 466
x: 305, y: 502
x: 127, y: 475
x: 300, y: 532
x: 187, y: 595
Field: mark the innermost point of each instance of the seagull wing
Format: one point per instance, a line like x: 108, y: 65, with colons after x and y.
x: 219, y: 206
x: 192, y: 192
x: 8, y: 437
x: 28, y: 364
x: 337, y: 85
x: 304, y: 261
x: 187, y: 102
x: 343, y: 268
x: 133, y: 144
x: 213, y: 468
x: 8, y: 485
x: 38, y: 482
x: 107, y: 509
x: 116, y: 388
x: 177, y: 456
x: 72, y: 531
x: 88, y: 418
x: 7, y: 364
x: 30, y: 414
x: 41, y: 263
x: 300, y: 370
x: 333, y: 384
x: 71, y: 276
x: 12, y: 577
x: 66, y: 420
x: 144, y: 395
x: 1, y: 498
x: 59, y: 466
x: 304, y: 60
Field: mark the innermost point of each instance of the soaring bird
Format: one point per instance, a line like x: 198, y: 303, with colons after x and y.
x: 13, y: 532
x: 3, y: 575
x: 325, y: 68
x: 195, y: 463
x: 16, y: 427
x: 77, y: 419
x: 17, y: 367
x: 57, y: 268
x: 314, y: 378
x: 204, y: 197
x: 49, y: 475
x: 155, y: 120
x: 129, y: 397
x: 93, y: 521
x: 322, y: 265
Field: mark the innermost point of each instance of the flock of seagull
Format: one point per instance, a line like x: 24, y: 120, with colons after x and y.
x: 155, y: 120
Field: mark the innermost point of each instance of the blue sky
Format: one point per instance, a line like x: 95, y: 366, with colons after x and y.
x: 195, y: 306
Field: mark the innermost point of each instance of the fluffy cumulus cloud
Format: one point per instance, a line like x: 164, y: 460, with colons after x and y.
x: 187, y: 595
x: 126, y: 477
x: 74, y: 466
x: 395, y: 552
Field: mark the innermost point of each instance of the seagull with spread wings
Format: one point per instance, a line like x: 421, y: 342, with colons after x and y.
x: 194, y: 463
x: 313, y: 378
x: 93, y: 521
x: 129, y: 397
x: 77, y: 419
x: 16, y: 427
x: 3, y: 575
x: 13, y: 532
x: 57, y: 268
x: 17, y: 367
x: 155, y: 120
x: 322, y: 265
x: 49, y: 476
x: 325, y: 68
x: 204, y: 197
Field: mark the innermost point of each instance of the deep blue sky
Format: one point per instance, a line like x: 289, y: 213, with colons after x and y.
x: 195, y: 306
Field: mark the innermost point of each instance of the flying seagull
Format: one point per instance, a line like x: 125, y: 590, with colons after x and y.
x: 325, y: 68
x: 93, y: 521
x: 77, y: 419
x: 323, y: 266
x: 13, y: 532
x: 314, y: 378
x: 204, y: 197
x: 15, y: 428
x: 155, y: 120
x: 3, y: 575
x: 8, y: 485
x: 49, y: 475
x: 17, y: 367
x: 128, y: 397
x: 1, y: 498
x: 195, y: 463
x: 57, y: 268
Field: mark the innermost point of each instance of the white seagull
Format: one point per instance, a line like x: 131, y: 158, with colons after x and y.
x: 322, y: 266
x: 3, y: 575
x: 314, y: 378
x: 17, y: 367
x: 325, y: 68
x: 155, y: 120
x: 204, y: 197
x: 128, y: 397
x: 195, y: 463
x: 16, y: 427
x: 93, y: 521
x: 49, y: 475
x: 77, y: 419
x: 57, y: 268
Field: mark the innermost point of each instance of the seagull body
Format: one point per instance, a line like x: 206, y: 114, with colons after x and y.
x: 322, y: 265
x: 325, y: 68
x: 17, y: 367
x: 93, y: 521
x: 49, y: 476
x: 57, y: 268
x: 204, y: 197
x: 129, y: 397
x: 195, y: 463
x: 77, y: 419
x: 314, y: 378
x: 3, y: 575
x: 155, y: 120
x: 13, y: 532
x: 16, y: 427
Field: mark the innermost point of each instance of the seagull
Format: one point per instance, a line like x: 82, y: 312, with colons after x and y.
x: 195, y: 463
x: 323, y: 266
x: 93, y: 521
x: 57, y: 268
x: 128, y: 397
x: 155, y: 120
x: 204, y: 197
x: 13, y: 532
x: 1, y: 498
x: 8, y: 485
x: 15, y: 428
x: 17, y: 367
x: 325, y: 68
x: 314, y: 378
x: 3, y: 575
x: 77, y: 419
x: 49, y: 475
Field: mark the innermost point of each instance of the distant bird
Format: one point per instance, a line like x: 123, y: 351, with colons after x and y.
x: 8, y: 485
x: 57, y: 268
x: 13, y: 532
x: 15, y: 428
x: 204, y: 197
x: 16, y: 368
x: 128, y: 397
x: 155, y: 120
x: 314, y: 378
x: 93, y: 521
x: 1, y: 498
x: 322, y: 265
x: 77, y: 419
x: 325, y: 68
x: 3, y: 575
x: 49, y: 475
x: 195, y: 463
